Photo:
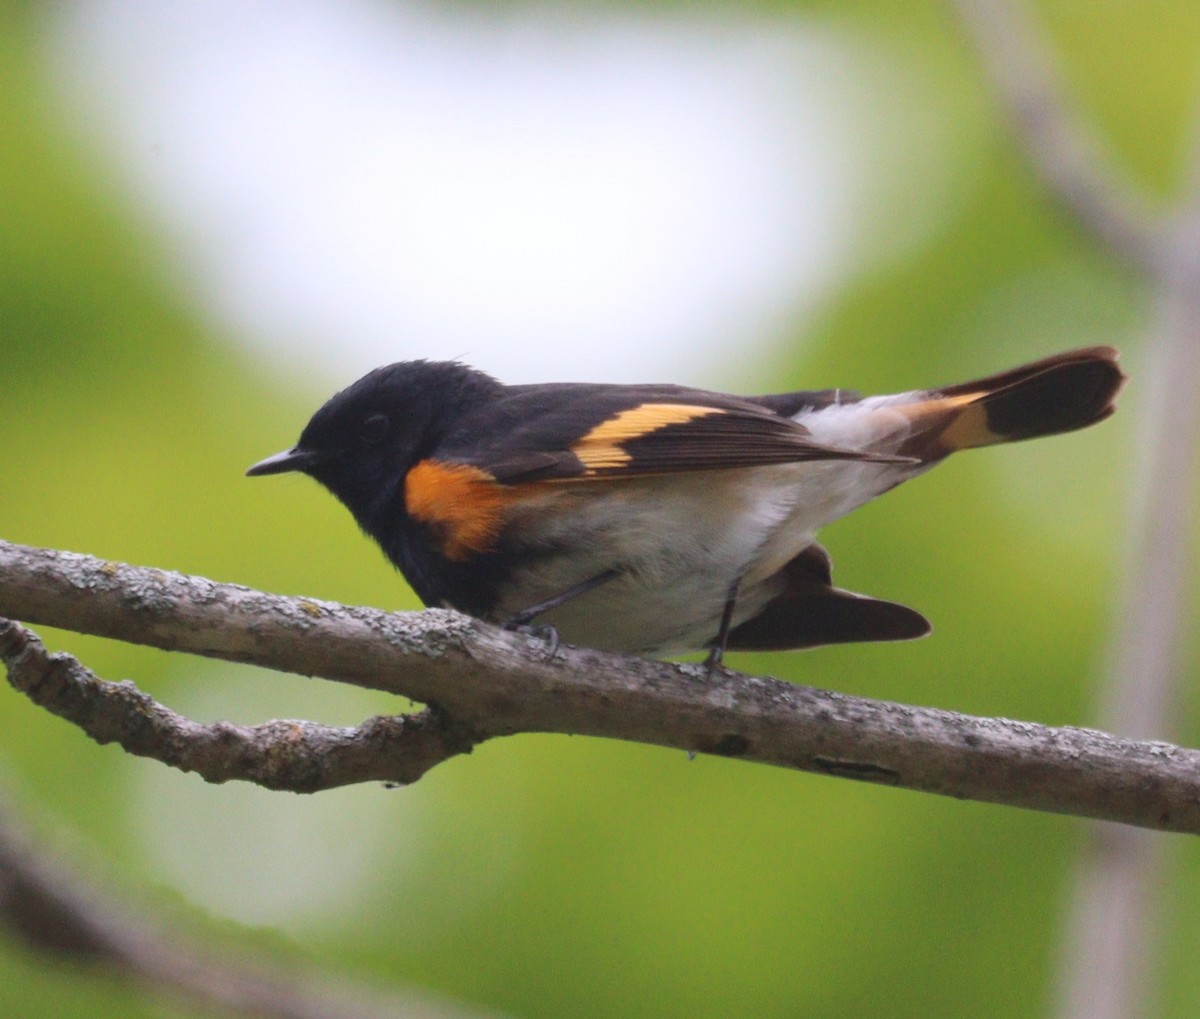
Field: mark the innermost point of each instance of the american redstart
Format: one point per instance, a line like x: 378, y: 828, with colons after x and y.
x: 655, y: 519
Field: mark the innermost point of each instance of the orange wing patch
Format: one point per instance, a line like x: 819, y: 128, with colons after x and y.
x: 463, y: 504
x: 601, y: 448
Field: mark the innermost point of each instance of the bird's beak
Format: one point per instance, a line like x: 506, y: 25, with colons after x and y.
x: 295, y: 459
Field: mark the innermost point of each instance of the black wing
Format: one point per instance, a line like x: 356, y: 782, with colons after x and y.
x: 578, y: 432
x: 810, y: 612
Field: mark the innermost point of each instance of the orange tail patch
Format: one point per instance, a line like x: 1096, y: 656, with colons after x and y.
x: 1058, y: 394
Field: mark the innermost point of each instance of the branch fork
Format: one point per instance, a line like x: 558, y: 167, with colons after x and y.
x: 481, y: 683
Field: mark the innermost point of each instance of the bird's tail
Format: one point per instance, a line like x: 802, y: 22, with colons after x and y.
x: 1057, y: 394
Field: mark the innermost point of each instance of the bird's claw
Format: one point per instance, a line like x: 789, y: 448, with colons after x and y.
x: 544, y: 632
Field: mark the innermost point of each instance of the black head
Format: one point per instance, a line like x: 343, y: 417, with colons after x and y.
x: 362, y: 442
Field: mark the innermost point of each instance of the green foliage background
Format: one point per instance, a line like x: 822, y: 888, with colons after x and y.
x: 550, y: 876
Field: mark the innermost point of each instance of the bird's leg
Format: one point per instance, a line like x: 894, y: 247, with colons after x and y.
x: 522, y: 619
x: 526, y: 616
x: 716, y: 651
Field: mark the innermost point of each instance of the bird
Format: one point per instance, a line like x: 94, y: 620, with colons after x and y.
x: 655, y: 520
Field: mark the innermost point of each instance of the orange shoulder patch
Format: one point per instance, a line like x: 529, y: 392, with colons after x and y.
x: 463, y: 504
x: 601, y: 448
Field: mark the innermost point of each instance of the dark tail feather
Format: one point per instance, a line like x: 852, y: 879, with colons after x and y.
x: 1058, y: 394
x: 810, y: 611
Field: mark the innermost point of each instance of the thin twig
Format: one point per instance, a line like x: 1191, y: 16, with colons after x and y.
x: 48, y: 908
x: 1111, y: 922
x: 1066, y: 155
x: 493, y: 683
x: 298, y: 756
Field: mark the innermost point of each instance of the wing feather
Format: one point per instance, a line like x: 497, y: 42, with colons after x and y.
x: 579, y: 433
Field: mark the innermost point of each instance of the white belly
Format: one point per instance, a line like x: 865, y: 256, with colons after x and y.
x: 678, y: 543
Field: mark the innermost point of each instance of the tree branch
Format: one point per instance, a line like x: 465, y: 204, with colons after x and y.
x: 484, y: 682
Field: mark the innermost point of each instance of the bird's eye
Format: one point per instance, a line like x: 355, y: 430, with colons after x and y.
x: 374, y: 429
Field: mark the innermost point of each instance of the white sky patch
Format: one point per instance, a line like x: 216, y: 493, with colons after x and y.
x: 547, y: 194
